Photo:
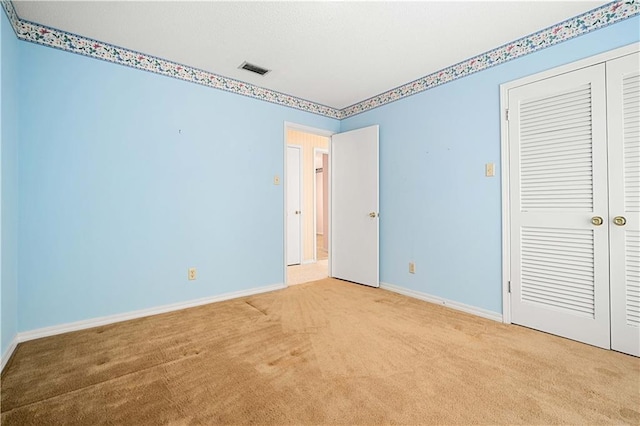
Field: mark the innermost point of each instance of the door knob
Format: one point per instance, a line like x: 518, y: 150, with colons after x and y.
x: 620, y: 220
x: 372, y: 214
x: 298, y: 212
x: 597, y: 220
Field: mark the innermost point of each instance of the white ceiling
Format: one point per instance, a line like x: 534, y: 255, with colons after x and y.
x: 332, y: 53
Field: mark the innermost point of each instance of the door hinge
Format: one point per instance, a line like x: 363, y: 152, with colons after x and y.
x: 506, y: 114
x: 509, y: 287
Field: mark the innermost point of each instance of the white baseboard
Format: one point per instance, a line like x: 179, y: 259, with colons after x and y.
x: 100, y: 321
x: 441, y: 301
x: 6, y: 356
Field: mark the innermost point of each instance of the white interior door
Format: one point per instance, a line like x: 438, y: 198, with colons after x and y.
x: 623, y: 110
x: 294, y: 201
x: 354, y: 206
x: 559, y: 206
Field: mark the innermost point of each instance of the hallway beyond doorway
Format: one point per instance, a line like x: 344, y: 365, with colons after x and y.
x: 321, y: 253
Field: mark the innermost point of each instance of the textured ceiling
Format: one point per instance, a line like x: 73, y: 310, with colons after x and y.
x: 332, y: 53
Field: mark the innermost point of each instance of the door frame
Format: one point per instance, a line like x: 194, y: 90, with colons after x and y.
x: 505, y: 154
x: 315, y: 131
x: 315, y: 201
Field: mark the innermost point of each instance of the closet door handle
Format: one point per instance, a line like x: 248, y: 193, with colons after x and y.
x: 620, y: 220
x: 597, y: 220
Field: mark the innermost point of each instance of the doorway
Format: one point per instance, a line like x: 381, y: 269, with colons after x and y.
x: 313, y: 214
x: 352, y: 198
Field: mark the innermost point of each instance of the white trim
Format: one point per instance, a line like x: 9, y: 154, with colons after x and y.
x: 6, y: 356
x: 329, y: 217
x: 442, y: 301
x: 504, y: 152
x: 306, y: 129
x: 111, y: 319
x: 283, y: 188
x: 506, y: 204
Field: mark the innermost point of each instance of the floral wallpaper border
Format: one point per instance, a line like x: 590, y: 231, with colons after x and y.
x: 63, y: 40
x: 592, y: 20
x: 597, y: 18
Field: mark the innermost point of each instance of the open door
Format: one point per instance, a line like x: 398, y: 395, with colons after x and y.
x: 354, y: 206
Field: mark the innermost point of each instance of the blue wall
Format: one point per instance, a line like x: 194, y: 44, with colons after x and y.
x: 436, y: 206
x: 128, y: 178
x: 9, y: 179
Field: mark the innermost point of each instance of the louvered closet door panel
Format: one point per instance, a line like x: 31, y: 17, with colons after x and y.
x: 623, y: 110
x: 558, y: 175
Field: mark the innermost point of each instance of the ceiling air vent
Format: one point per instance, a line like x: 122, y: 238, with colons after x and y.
x: 253, y: 68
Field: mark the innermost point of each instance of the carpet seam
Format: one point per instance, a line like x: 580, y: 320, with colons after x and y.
x: 99, y: 383
x: 256, y: 308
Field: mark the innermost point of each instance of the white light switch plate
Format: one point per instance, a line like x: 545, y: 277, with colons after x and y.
x: 489, y: 170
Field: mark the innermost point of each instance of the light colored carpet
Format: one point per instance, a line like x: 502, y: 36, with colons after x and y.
x: 299, y: 274
x: 328, y: 352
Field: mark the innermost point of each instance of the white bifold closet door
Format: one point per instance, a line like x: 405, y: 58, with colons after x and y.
x: 574, y: 158
x: 559, y: 206
x: 623, y: 118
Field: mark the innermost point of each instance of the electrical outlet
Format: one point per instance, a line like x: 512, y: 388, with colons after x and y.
x: 489, y: 170
x: 192, y: 274
x: 276, y: 180
x: 412, y: 268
